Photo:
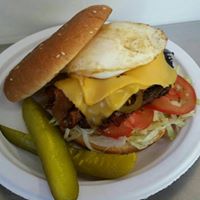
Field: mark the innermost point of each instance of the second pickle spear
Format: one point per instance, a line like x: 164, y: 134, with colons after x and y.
x: 53, y: 152
x: 102, y: 165
x: 18, y: 138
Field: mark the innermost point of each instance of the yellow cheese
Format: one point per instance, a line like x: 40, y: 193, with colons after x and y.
x: 99, y: 98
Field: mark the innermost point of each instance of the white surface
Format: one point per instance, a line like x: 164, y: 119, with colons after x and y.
x: 159, y: 165
x: 20, y: 18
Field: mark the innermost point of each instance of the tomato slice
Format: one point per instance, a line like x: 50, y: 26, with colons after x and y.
x: 181, y: 99
x: 140, y: 119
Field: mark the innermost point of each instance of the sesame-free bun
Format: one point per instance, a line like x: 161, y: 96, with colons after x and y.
x: 118, y: 47
x: 123, y: 149
x: 52, y: 55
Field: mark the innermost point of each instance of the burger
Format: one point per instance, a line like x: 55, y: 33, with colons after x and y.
x: 109, y: 87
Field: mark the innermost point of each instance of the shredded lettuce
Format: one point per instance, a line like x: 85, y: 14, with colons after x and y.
x: 66, y: 135
x: 161, y: 121
x: 171, y: 132
x: 76, y: 132
x: 156, y: 116
x: 72, y: 135
x: 89, y: 137
x: 139, y: 138
x: 141, y: 141
x: 53, y: 121
x: 180, y: 72
x: 178, y: 69
x: 86, y: 140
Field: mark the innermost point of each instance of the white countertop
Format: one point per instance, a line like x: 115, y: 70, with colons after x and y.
x: 186, y: 35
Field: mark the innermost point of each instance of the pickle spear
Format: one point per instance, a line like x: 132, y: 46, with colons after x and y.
x: 53, y: 152
x: 102, y: 165
x: 90, y: 163
x: 18, y: 138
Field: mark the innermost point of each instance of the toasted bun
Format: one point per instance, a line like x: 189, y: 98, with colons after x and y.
x: 51, y: 56
x: 126, y: 148
x: 118, y: 47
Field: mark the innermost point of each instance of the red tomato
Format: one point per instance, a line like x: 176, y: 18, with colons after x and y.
x: 137, y: 120
x: 181, y: 99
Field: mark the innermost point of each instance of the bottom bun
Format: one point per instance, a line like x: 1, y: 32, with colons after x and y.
x: 123, y: 149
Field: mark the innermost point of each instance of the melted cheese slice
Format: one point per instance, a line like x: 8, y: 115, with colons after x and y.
x: 99, y: 98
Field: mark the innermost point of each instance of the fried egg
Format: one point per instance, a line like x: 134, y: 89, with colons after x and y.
x: 117, y: 48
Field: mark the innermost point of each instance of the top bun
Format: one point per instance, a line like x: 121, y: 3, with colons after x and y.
x: 51, y: 56
x: 118, y: 47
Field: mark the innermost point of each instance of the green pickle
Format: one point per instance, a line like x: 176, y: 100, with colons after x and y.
x: 137, y: 104
x: 95, y: 164
x: 101, y: 165
x: 20, y: 139
x: 53, y: 152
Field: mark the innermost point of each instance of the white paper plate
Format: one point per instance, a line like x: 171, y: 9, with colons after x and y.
x: 157, y: 167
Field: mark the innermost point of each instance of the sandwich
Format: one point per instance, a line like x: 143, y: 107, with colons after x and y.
x: 109, y: 87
